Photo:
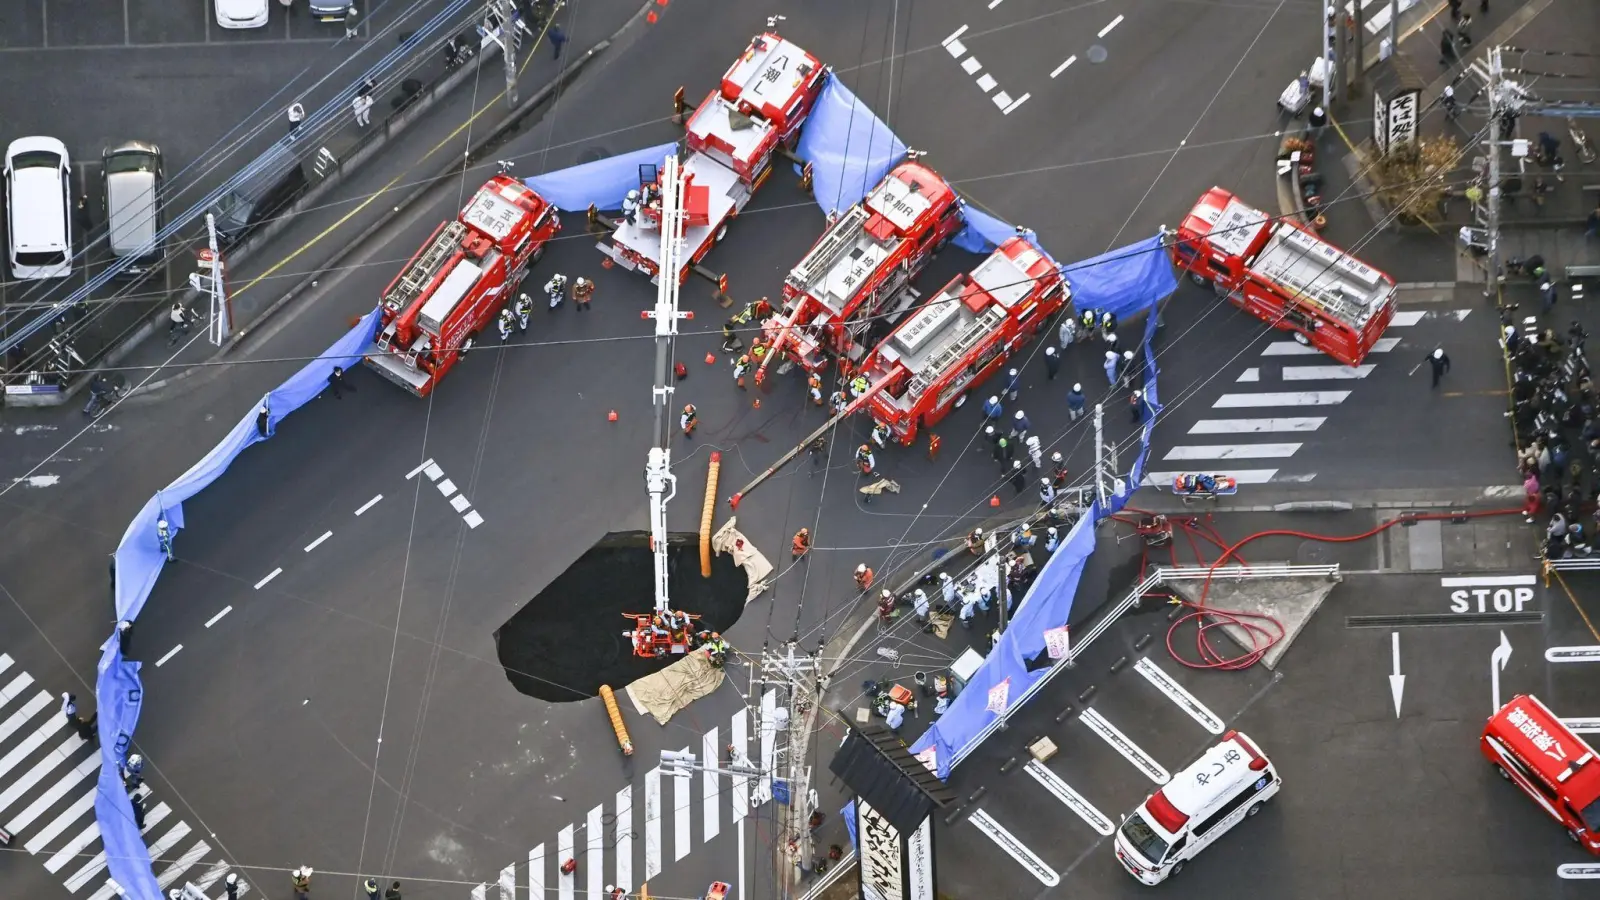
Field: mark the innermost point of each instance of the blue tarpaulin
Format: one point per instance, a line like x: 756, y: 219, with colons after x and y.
x: 849, y: 148
x: 983, y: 232
x: 604, y: 182
x: 1123, y: 281
x: 139, y: 559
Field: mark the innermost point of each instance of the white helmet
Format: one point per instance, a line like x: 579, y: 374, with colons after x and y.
x: 944, y: 576
x: 581, y: 282
x: 920, y: 595
x: 1033, y: 441
x: 978, y: 532
x: 988, y: 429
x: 1049, y: 351
x: 1016, y: 466
x: 1111, y: 338
x: 1018, y: 415
x: 611, y: 888
x: 1056, y: 456
x: 233, y: 878
x: 860, y: 570
x: 135, y: 760
x: 633, y: 195
x: 1045, y: 482
x: 1012, y: 372
x: 1438, y: 353
x: 1051, y: 531
x: 1111, y: 355
x: 1078, y: 387
x: 994, y: 399
x: 1126, y: 354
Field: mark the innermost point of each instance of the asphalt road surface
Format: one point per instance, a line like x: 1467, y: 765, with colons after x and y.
x: 271, y: 693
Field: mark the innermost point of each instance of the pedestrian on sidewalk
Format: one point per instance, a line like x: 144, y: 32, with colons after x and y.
x: 69, y: 706
x: 337, y: 383
x: 370, y: 886
x: 351, y: 30
x: 1052, y: 362
x: 558, y: 38
x: 297, y: 115
x: 1111, y: 365
x: 1440, y: 363
x: 361, y: 105
x: 1455, y: 9
x: 393, y: 893
x: 1464, y: 33
x: 582, y: 293
x: 138, y: 822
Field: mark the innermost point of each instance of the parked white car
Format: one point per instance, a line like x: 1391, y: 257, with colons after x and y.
x: 241, y: 13
x: 39, y: 208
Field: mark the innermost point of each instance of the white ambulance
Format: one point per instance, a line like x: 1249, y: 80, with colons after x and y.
x: 1226, y: 785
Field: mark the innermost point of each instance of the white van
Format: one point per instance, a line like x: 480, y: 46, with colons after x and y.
x: 39, y: 203
x: 1226, y: 785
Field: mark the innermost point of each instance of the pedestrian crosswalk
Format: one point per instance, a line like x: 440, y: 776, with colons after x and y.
x: 48, y: 779
x: 1284, y: 402
x: 660, y: 819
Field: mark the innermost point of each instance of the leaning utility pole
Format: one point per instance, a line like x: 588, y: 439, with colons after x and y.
x: 208, y: 281
x: 506, y: 12
x: 800, y: 694
x: 1491, y: 223
x: 1099, y: 454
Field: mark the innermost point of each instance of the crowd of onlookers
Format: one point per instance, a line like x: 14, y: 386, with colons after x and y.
x: 1555, y: 413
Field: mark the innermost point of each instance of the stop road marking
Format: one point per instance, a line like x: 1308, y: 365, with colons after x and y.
x: 1501, y: 594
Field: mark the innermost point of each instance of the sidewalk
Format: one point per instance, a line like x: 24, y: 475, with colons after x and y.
x: 336, y: 221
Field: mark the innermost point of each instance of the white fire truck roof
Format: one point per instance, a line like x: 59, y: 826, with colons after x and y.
x: 493, y: 212
x: 720, y: 119
x: 770, y: 73
x: 448, y: 295
x: 1235, y: 227
x: 644, y: 238
x: 1007, y: 279
x: 899, y: 202
x: 1314, y: 271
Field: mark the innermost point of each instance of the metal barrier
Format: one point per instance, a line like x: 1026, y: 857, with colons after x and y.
x: 846, y: 863
x: 1242, y: 573
x: 1584, y: 564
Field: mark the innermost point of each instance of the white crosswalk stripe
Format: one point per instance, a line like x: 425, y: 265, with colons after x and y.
x: 1256, y: 426
x: 1326, y: 373
x: 613, y: 853
x: 49, y: 778
x: 1234, y: 451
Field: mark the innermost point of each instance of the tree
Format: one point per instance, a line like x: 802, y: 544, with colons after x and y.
x: 1412, y: 179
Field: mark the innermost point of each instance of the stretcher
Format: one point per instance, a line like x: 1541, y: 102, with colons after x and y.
x: 1187, y: 486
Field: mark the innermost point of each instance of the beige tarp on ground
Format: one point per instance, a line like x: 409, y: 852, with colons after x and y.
x: 687, y: 680
x: 675, y: 687
x: 728, y: 539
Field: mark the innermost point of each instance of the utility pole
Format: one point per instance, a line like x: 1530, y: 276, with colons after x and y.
x: 1099, y: 454
x: 1358, y: 56
x: 1491, y: 223
x: 798, y: 677
x: 1394, y: 27
x: 508, y: 46
x: 1003, y: 591
x: 208, y: 281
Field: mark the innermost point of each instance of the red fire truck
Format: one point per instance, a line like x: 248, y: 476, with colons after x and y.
x: 457, y: 283
x: 1537, y: 752
x: 1285, y: 275
x: 961, y: 336
x: 857, y: 276
x: 732, y: 138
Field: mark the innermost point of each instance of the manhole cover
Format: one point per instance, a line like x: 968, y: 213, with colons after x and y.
x: 1312, y: 553
x: 595, y: 154
x: 1097, y: 54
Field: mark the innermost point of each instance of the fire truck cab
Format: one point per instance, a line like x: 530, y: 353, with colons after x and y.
x: 457, y: 283
x: 731, y: 140
x: 857, y: 277
x: 1533, y: 749
x: 1285, y: 275
x: 961, y: 336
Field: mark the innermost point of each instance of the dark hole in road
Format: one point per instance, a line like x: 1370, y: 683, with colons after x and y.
x: 568, y: 640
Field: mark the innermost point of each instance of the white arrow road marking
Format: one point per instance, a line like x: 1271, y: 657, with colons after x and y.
x: 1579, y: 871
x: 1572, y: 654
x: 1074, y: 800
x: 1397, y: 682
x: 1175, y: 692
x: 1015, y: 848
x: 1497, y: 664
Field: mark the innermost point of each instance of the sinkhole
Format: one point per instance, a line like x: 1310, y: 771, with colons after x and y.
x: 568, y: 640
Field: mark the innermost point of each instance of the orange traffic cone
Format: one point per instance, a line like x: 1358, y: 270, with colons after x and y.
x: 995, y: 500
x: 612, y: 417
x: 711, y: 359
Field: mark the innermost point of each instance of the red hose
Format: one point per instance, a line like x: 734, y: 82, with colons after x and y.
x: 1266, y: 631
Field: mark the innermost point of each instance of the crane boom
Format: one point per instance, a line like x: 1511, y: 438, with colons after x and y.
x: 660, y: 481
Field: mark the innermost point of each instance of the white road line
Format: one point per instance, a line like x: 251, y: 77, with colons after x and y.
x: 1296, y: 398
x: 61, y: 822
x: 970, y: 65
x: 318, y: 542
x: 1016, y: 103
x: 1107, y: 30
x: 1256, y: 426
x: 1015, y: 848
x: 652, y: 823
x: 481, y: 892
x: 218, y: 617
x: 769, y: 748
x: 413, y: 473
x: 994, y: 3
x: 1001, y: 99
x: 72, y: 848
x: 956, y: 48
x: 536, y: 873
x: 1326, y: 373
x: 624, y: 837
x: 41, y: 804
x: 710, y: 784
x: 565, y: 889
x: 1407, y: 318
x: 5, y: 661
x: 369, y: 504
x: 270, y: 575
x: 1233, y: 451
x: 56, y: 757
x: 1248, y: 376
x: 1491, y: 581
x: 178, y: 833
x: 14, y: 689
x: 1124, y: 745
x: 212, y: 875
x: 1242, y: 476
x: 1578, y: 871
x: 1063, y: 67
x: 1583, y: 726
x: 170, y: 654
x: 95, y: 866
x: 594, y: 857
x: 433, y: 471
x: 1175, y: 692
x: 472, y: 519
x: 1292, y: 348
x: 986, y: 82
x: 952, y: 38
x: 182, y: 864
x: 32, y: 742
x: 1074, y: 800
x: 508, y: 883
x: 460, y: 503
x: 742, y: 855
x: 741, y: 783
x: 682, y: 829
x: 447, y: 487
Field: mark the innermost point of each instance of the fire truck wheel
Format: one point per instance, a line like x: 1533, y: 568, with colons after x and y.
x: 722, y: 232
x: 943, y: 243
x: 1199, y: 279
x: 1302, y: 339
x: 1503, y: 773
x: 538, y: 254
x: 1573, y: 833
x: 960, y: 401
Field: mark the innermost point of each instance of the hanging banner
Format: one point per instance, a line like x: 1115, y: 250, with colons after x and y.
x: 998, y: 697
x: 883, y: 870
x: 919, y: 860
x: 1056, y: 643
x: 1380, y: 123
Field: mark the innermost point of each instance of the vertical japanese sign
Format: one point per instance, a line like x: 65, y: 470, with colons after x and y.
x: 919, y: 859
x: 882, y: 856
x: 1404, y: 106
x: 1380, y: 123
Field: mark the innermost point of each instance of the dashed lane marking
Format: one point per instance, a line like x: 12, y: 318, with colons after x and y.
x: 369, y: 504
x: 1589, y: 725
x: 318, y: 542
x: 218, y: 617
x: 413, y: 473
x: 971, y: 66
x: 1579, y: 872
x: 1113, y: 24
x: 1015, y: 848
x: 270, y: 575
x: 1074, y: 800
x: 1124, y: 745
x: 1063, y: 67
x: 1175, y: 692
x: 170, y: 654
x: 1011, y: 107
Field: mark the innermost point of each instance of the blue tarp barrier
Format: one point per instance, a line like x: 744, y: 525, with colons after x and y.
x: 849, y: 814
x: 604, y: 182
x: 849, y: 148
x: 139, y: 559
x: 983, y: 232
x: 1123, y: 281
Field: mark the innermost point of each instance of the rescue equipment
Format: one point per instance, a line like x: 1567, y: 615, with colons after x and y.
x: 617, y: 725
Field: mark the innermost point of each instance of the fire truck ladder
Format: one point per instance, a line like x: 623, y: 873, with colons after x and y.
x: 839, y: 239
x: 420, y: 274
x: 1328, y: 296
x: 940, y: 362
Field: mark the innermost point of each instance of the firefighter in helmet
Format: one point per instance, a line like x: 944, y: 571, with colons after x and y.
x: 524, y: 309
x: 555, y: 290
x: 814, y: 387
x: 716, y: 649
x: 1087, y: 322
x: 801, y: 543
x: 740, y: 367
x: 839, y: 402
x: 859, y: 385
x: 1108, y: 325
x: 975, y: 542
x: 864, y: 459
x: 506, y: 322
x: 630, y: 207
x: 880, y: 435
x: 886, y: 605
x: 688, y: 420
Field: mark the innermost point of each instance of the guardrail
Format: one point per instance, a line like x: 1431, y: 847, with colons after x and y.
x: 1242, y: 573
x: 1582, y: 564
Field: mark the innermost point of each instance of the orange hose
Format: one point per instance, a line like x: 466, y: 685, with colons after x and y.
x: 708, y: 514
x: 616, y: 719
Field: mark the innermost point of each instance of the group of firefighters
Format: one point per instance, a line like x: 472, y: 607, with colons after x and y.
x: 515, y: 316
